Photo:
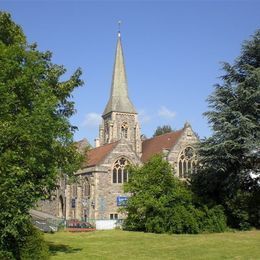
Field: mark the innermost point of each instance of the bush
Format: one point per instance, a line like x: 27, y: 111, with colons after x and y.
x: 34, y: 247
x: 180, y: 219
x: 161, y: 203
x: 183, y: 220
x: 214, y: 220
x: 192, y: 220
x: 4, y: 255
x: 29, y: 245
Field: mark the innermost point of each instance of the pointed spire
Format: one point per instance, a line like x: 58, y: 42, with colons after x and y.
x: 119, y: 100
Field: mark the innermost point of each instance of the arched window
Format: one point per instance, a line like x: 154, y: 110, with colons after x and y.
x: 120, y: 172
x: 106, y: 133
x: 74, y: 191
x: 86, y: 188
x: 124, y: 130
x: 61, y: 207
x: 187, y: 162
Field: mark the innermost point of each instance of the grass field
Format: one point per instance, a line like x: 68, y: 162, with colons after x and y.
x: 116, y: 244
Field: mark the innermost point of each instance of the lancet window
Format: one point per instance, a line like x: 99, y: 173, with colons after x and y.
x: 124, y: 130
x: 86, y: 188
x: 74, y: 191
x: 106, y: 133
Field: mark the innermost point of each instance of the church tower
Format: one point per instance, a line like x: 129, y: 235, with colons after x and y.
x: 120, y: 119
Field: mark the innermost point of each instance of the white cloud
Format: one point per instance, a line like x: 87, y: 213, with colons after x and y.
x: 92, y: 120
x: 143, y: 116
x: 166, y: 113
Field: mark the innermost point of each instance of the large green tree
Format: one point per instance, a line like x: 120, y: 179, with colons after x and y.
x: 229, y: 172
x: 36, y: 137
x: 160, y: 202
x: 160, y: 130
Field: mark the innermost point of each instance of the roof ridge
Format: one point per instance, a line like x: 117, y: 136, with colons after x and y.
x: 97, y: 155
x: 157, y: 144
x: 95, y: 148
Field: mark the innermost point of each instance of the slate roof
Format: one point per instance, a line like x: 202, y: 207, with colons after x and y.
x: 96, y: 155
x: 156, y: 144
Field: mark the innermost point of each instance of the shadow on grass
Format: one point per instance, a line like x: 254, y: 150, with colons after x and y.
x: 60, y: 248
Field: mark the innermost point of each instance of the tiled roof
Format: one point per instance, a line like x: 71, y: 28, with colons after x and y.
x: 96, y: 155
x: 156, y: 144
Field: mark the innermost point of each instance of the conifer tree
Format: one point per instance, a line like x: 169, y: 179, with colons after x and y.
x: 229, y: 159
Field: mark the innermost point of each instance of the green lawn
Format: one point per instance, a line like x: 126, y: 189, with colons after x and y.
x: 116, y: 244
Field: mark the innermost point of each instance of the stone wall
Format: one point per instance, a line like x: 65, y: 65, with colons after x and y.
x: 106, y: 192
x: 102, y: 198
x: 188, y: 138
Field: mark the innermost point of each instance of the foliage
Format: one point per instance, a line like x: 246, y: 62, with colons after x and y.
x: 30, y: 246
x: 35, y: 132
x: 161, y: 203
x: 160, y: 130
x: 34, y: 246
x: 213, y: 220
x: 229, y: 172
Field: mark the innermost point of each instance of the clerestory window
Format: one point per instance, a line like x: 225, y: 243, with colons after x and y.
x: 187, y: 162
x: 120, y: 171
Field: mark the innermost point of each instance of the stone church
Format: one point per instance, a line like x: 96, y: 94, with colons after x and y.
x: 98, y: 192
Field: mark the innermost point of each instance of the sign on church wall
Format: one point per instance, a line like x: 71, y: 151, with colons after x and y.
x: 121, y: 200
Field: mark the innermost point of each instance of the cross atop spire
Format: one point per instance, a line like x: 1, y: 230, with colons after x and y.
x: 119, y: 100
x: 119, y: 28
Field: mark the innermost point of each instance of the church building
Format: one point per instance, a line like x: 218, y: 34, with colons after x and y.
x: 98, y: 193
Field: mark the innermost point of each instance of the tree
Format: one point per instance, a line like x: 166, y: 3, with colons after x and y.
x: 160, y: 130
x: 161, y: 203
x: 36, y: 137
x: 230, y: 157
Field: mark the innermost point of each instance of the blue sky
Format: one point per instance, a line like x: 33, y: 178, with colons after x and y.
x: 173, y: 52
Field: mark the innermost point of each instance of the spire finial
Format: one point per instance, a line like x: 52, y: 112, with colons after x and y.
x: 119, y: 28
x: 187, y: 124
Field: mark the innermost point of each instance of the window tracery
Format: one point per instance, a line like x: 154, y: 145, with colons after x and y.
x: 120, y: 171
x: 124, y: 130
x: 187, y: 162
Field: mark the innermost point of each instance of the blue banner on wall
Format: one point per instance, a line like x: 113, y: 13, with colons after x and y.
x: 121, y: 201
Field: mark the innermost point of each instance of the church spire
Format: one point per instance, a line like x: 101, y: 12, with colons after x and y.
x: 119, y: 100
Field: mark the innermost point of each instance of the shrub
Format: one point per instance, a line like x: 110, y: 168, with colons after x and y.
x: 155, y: 224
x: 161, y: 203
x: 34, y: 247
x: 4, y: 255
x: 183, y: 220
x: 214, y: 220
